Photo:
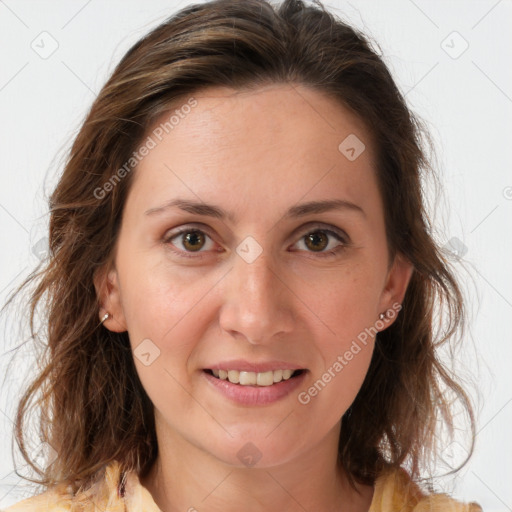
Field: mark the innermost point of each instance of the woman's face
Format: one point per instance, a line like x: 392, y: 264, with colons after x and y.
x: 261, y: 278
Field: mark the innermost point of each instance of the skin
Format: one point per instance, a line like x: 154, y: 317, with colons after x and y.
x: 255, y: 154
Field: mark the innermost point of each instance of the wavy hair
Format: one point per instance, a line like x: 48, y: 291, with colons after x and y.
x: 93, y: 407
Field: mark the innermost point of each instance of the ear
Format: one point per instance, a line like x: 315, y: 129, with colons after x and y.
x: 397, y: 281
x: 106, y: 283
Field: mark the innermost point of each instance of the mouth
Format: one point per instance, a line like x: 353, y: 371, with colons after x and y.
x: 257, y: 379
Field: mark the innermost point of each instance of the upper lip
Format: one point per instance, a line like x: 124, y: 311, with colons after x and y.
x: 246, y: 366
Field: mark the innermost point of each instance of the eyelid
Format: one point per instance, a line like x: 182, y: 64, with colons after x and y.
x: 185, y: 228
x: 322, y: 226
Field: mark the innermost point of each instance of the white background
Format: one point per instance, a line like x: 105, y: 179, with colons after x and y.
x: 465, y: 97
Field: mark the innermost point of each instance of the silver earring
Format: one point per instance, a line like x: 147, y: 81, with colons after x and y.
x: 107, y: 315
x: 382, y: 316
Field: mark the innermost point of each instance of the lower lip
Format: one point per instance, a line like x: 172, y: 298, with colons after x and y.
x: 255, y: 395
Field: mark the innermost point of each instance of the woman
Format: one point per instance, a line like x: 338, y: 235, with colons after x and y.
x: 242, y: 284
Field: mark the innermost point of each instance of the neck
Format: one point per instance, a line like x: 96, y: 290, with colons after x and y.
x: 186, y: 478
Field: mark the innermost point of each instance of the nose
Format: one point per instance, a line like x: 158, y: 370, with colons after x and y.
x: 257, y: 301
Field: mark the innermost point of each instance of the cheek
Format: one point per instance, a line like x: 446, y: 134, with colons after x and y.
x: 344, y: 299
x: 344, y: 342
x: 163, y: 308
x: 157, y: 296
x: 346, y: 327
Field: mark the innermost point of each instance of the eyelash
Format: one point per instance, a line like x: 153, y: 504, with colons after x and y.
x: 187, y: 254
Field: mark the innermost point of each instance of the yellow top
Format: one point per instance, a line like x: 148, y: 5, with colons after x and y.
x: 393, y: 492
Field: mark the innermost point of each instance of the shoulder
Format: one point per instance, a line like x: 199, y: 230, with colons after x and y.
x: 395, y: 490
x: 102, y: 495
x: 54, y: 500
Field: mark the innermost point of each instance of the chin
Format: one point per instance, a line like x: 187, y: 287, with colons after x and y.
x: 253, y: 451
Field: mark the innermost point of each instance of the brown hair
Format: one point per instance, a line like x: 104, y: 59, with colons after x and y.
x: 94, y: 407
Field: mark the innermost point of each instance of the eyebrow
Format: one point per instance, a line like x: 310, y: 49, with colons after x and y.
x: 300, y: 210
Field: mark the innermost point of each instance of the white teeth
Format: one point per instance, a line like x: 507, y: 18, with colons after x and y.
x: 233, y: 376
x: 253, y: 378
x: 287, y: 374
x: 265, y: 379
x: 246, y: 378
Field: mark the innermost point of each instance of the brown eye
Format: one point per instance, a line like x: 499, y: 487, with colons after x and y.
x: 323, y: 242
x: 193, y: 240
x: 190, y: 242
x: 317, y: 241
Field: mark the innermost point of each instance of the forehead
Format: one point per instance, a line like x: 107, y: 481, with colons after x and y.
x: 265, y: 117
x: 278, y: 142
